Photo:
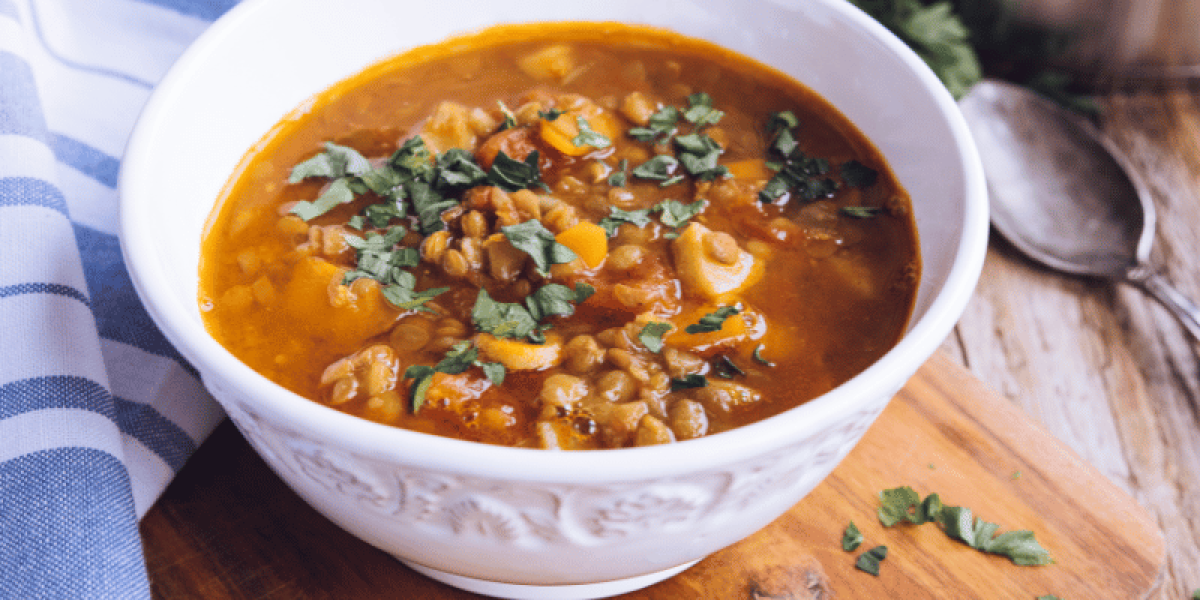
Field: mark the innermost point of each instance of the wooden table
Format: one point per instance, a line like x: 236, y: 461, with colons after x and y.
x: 1104, y: 368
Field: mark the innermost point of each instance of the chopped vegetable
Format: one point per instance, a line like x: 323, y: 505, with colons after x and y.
x: 651, y: 335
x: 851, y: 538
x: 869, y: 561
x: 713, y: 321
x: 587, y: 240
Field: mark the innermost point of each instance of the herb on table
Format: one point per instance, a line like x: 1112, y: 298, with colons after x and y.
x: 538, y: 242
x: 713, y: 321
x: 852, y: 538
x: 936, y: 34
x: 692, y: 381
x: 1053, y: 597
x: 869, y: 561
x: 904, y: 504
x: 651, y: 335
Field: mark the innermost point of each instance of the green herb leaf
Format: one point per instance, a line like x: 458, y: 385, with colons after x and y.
x: 676, y: 214
x: 495, y: 372
x: 501, y: 319
x: 338, y: 193
x: 588, y: 136
x: 412, y: 160
x: 538, y: 242
x: 620, y: 176
x: 851, y: 538
x: 694, y: 380
x: 405, y: 297
x: 457, y: 170
x: 511, y: 175
x: 779, y: 121
x: 858, y: 175
x: 699, y: 155
x: 336, y: 161
x: 616, y: 216
x: 552, y: 299
x: 861, y: 212
x: 651, y: 335
x: 458, y: 358
x: 896, y: 504
x: 724, y: 367
x: 550, y: 115
x: 1053, y: 597
x: 936, y: 34
x: 422, y: 376
x: 869, y: 561
x: 510, y: 120
x: 713, y: 321
x: 661, y: 124
x: 1019, y: 546
x: 700, y: 110
x: 430, y: 205
x: 583, y: 291
x: 659, y: 168
x: 758, y: 356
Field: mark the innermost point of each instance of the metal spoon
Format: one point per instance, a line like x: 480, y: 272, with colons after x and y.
x: 1065, y: 195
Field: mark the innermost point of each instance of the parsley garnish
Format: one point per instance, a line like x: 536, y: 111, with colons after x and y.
x: 861, y: 212
x: 869, y: 561
x: 336, y: 161
x: 675, y: 214
x: 723, y: 366
x: 700, y: 110
x: 661, y: 124
x: 338, y: 193
x: 713, y: 321
x: 651, y: 335
x: 856, y: 174
x: 422, y: 376
x: 458, y: 359
x: 1053, y: 597
x: 588, y: 136
x: 550, y: 115
x: 659, y: 168
x: 851, y: 538
x: 502, y: 319
x: 619, y: 177
x: 510, y: 174
x: 758, y: 356
x: 510, y: 120
x: 557, y: 300
x: 694, y: 380
x: 535, y: 240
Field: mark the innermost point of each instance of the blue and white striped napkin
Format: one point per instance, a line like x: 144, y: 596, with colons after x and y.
x: 97, y: 411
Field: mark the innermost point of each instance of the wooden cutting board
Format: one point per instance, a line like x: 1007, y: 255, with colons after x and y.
x: 227, y: 527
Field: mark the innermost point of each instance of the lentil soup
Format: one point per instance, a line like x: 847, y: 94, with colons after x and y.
x: 563, y: 236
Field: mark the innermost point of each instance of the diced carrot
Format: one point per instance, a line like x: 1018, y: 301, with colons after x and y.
x: 561, y: 132
x: 521, y: 356
x: 308, y: 299
x: 587, y: 240
x: 751, y: 169
x: 732, y: 332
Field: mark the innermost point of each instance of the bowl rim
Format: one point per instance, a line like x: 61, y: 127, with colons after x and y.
x: 435, y: 453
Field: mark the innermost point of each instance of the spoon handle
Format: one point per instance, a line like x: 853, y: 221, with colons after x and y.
x: 1181, y: 306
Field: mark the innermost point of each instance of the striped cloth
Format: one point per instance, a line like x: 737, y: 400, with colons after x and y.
x: 97, y: 411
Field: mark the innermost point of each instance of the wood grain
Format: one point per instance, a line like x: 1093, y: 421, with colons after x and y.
x: 228, y: 528
x: 1102, y: 367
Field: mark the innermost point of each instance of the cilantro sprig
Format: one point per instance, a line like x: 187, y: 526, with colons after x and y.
x: 713, y: 321
x: 458, y: 359
x: 673, y: 214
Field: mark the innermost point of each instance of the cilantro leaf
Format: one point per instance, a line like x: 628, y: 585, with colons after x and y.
x: 501, y: 319
x: 422, y: 376
x: 724, y: 367
x: 429, y: 205
x: 620, y: 176
x: 869, y: 561
x: 458, y: 359
x: 856, y: 174
x: 552, y: 299
x: 457, y: 170
x: 407, y: 298
x: 1018, y: 546
x: 861, y: 212
x: 781, y: 121
x: 338, y: 193
x: 659, y: 168
x: 336, y: 161
x: 538, y: 242
x: 936, y: 34
x: 675, y: 214
x: 1053, y: 597
x: 713, y: 321
x: 695, y: 380
x: 510, y: 174
x: 550, y: 115
x: 699, y: 155
x: 700, y: 110
x: 413, y: 159
x: 851, y: 538
x: 510, y: 120
x: 651, y: 335
x: 583, y: 291
x: 661, y: 124
x: 495, y: 372
x: 588, y: 136
x: 616, y: 216
x: 759, y: 357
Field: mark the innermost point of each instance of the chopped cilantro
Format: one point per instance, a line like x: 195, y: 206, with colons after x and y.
x: 869, y: 561
x: 339, y: 193
x: 458, y: 359
x: 661, y: 124
x: 422, y: 376
x: 538, y: 242
x: 336, y: 161
x: 588, y: 136
x: 713, y: 321
x: 699, y: 155
x: 495, y: 372
x: 550, y: 115
x: 409, y: 299
x: 759, y: 357
x: 510, y: 120
x: 851, y: 538
x: 858, y: 175
x: 659, y: 168
x: 620, y: 176
x: 724, y: 367
x: 457, y: 170
x: 651, y: 335
x: 502, y: 319
x: 1053, y: 597
x: 552, y: 299
x: 781, y: 121
x: 675, y: 214
x: 936, y: 34
x: 616, y: 216
x: 861, y: 212
x: 510, y: 174
x: 694, y: 380
x: 700, y: 110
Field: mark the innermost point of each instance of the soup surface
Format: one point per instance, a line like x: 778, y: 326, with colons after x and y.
x: 565, y: 236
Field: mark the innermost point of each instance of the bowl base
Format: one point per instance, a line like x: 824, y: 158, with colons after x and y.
x: 582, y: 591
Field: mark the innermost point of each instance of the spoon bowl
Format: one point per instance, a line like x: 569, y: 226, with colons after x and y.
x: 1064, y: 194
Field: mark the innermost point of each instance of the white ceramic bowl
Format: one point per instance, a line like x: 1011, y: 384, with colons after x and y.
x: 517, y: 522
